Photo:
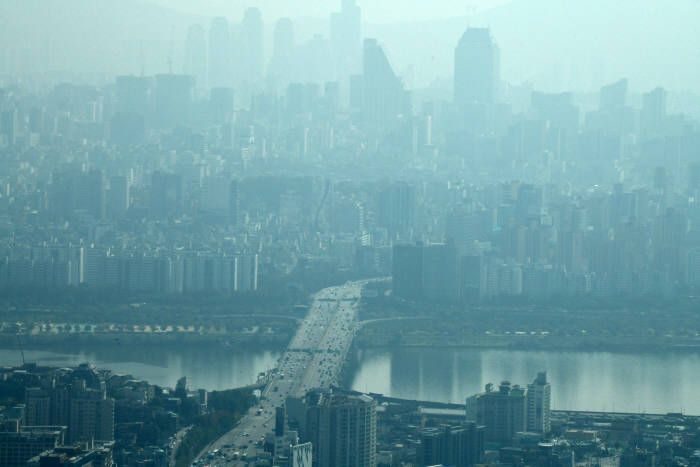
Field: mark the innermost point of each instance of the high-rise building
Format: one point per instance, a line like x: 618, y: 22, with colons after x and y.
x: 346, y: 40
x: 503, y: 413
x: 91, y: 416
x: 459, y: 227
x: 221, y: 106
x: 653, y: 111
x: 17, y: 447
x: 460, y: 446
x: 407, y: 271
x: 477, y: 68
x: 342, y: 429
x: 252, y: 47
x: 472, y: 278
x: 127, y: 129
x: 88, y: 193
x: 166, y: 194
x: 281, y: 69
x: 216, y: 195
x: 234, y: 203
x: 440, y: 272
x: 38, y: 402
x: 133, y: 94
x: 220, y: 56
x: 613, y: 97
x: 356, y: 92
x: 397, y: 204
x: 313, y: 54
x: 280, y: 421
x: 173, y: 99
x: 118, y: 197
x: 196, y: 55
x: 561, y: 118
x: 246, y: 273
x: 8, y: 126
x: 613, y: 116
x: 132, y: 110
x: 539, y: 396
x: 384, y: 97
x: 80, y: 404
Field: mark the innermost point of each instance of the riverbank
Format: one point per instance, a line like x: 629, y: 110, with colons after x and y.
x: 73, y: 341
x: 390, y: 322
x: 529, y: 342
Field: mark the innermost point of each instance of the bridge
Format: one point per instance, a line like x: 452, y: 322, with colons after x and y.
x: 384, y: 320
x: 313, y: 359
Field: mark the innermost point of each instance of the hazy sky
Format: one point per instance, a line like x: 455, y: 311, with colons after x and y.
x: 372, y: 10
x: 554, y: 45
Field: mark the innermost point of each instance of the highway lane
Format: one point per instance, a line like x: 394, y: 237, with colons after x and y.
x: 314, y: 358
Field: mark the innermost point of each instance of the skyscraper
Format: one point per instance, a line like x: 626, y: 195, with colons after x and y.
x: 253, y: 46
x: 246, y: 273
x: 653, y: 111
x: 613, y: 97
x: 196, y: 55
x: 397, y: 204
x: 281, y: 64
x: 346, y: 40
x: 384, y: 97
x: 8, y: 126
x: 88, y: 193
x: 280, y: 421
x: 341, y: 428
x: 173, y: 100
x: 221, y: 105
x: 502, y: 412
x: 440, y: 272
x: 234, y: 202
x: 220, y: 54
x: 118, y: 197
x: 471, y: 278
x: 613, y: 117
x: 477, y: 68
x: 407, y: 271
x: 539, y: 395
x: 91, y: 416
x: 133, y: 94
x: 166, y: 194
x: 216, y: 195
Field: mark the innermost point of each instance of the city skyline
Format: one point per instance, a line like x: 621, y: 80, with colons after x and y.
x: 384, y: 236
x: 541, y: 43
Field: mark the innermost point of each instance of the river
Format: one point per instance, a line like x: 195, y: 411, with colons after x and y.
x: 209, y: 367
x: 624, y: 382
x: 602, y: 381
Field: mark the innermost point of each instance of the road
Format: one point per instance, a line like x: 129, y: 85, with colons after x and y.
x: 313, y: 359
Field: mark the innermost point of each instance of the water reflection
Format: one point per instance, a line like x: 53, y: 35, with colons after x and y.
x: 580, y: 380
x: 212, y: 368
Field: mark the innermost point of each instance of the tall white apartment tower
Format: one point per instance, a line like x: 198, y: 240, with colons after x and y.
x: 539, y: 396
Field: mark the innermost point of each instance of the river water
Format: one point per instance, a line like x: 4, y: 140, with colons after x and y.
x: 624, y: 382
x: 604, y: 381
x: 209, y: 367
